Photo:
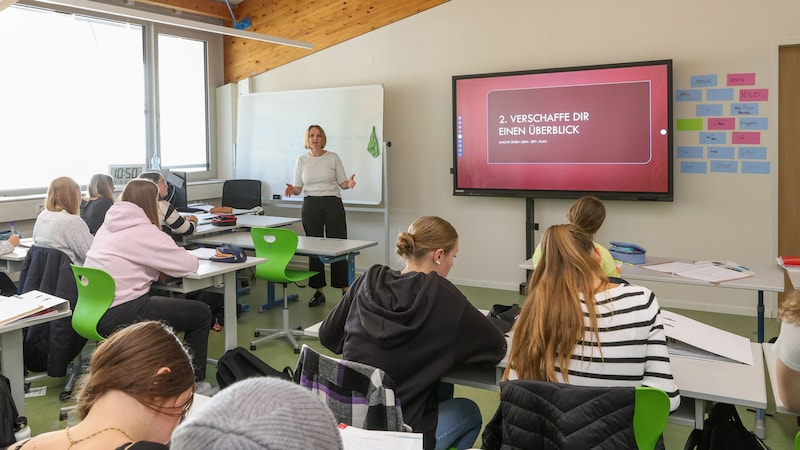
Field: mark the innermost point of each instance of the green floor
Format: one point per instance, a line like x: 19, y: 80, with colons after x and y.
x: 43, y: 412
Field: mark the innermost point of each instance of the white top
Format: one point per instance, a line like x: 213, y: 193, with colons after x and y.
x: 320, y: 176
x: 5, y: 247
x: 63, y: 231
x: 633, y: 344
x: 787, y: 347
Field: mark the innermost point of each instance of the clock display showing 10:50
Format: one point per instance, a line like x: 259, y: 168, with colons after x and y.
x: 123, y: 173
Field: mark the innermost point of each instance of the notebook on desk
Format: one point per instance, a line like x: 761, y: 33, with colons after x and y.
x: 30, y: 305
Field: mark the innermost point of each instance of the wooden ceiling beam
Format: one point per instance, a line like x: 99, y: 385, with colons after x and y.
x: 204, y: 8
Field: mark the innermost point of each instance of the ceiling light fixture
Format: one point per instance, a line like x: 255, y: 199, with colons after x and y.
x: 88, y: 5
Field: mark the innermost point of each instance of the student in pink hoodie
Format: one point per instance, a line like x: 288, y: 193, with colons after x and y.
x: 131, y: 247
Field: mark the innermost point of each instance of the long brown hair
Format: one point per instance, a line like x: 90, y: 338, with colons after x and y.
x: 143, y: 193
x: 64, y: 194
x: 129, y: 361
x: 551, y: 322
x: 588, y: 213
x: 426, y: 234
x: 101, y: 186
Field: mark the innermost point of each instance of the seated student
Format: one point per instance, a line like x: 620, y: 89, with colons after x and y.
x: 260, y: 413
x: 578, y: 328
x: 139, y: 388
x: 787, y: 349
x: 131, y: 248
x: 416, y: 325
x: 101, y: 197
x: 171, y: 222
x: 588, y: 214
x: 59, y: 226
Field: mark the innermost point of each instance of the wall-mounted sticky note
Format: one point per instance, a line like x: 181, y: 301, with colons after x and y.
x: 702, y: 81
x: 753, y: 123
x: 713, y: 137
x: 741, y: 79
x: 688, y: 95
x: 752, y: 152
x: 707, y: 110
x: 746, y: 137
x: 719, y: 95
x: 753, y: 95
x: 721, y: 152
x: 690, y: 152
x: 689, y: 124
x: 759, y: 167
x: 744, y: 109
x: 693, y: 167
x: 722, y: 123
x: 725, y: 166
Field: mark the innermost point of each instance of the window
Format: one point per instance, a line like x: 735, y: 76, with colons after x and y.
x: 76, y: 98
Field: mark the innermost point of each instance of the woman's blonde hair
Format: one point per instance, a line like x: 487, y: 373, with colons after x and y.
x: 426, y: 234
x: 551, y: 322
x: 143, y: 193
x: 321, y: 132
x: 101, y: 186
x: 130, y: 361
x: 588, y: 213
x: 789, y: 310
x: 64, y: 194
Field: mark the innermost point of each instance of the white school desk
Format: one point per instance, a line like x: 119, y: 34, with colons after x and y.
x: 794, y: 276
x: 12, y: 262
x: 11, y: 361
x: 243, y: 221
x: 210, y: 274
x: 767, y: 278
x: 699, y: 380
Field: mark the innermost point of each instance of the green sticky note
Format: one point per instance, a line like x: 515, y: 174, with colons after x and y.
x: 690, y: 124
x: 373, y: 148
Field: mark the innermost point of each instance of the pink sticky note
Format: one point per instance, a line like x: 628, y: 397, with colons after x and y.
x: 753, y: 95
x: 741, y: 79
x: 722, y: 123
x: 745, y: 137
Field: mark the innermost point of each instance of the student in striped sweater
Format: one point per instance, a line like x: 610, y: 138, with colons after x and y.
x: 605, y: 334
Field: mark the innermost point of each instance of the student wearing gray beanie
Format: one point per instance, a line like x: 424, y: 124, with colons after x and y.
x: 260, y: 413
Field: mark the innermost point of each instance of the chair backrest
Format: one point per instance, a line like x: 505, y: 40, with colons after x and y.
x: 649, y: 416
x: 358, y: 394
x: 797, y: 441
x: 277, y: 245
x: 242, y: 194
x: 95, y: 295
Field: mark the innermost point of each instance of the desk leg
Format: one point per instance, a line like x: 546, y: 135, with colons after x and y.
x: 699, y: 413
x: 230, y: 309
x: 12, y: 366
x: 760, y: 429
x: 351, y: 268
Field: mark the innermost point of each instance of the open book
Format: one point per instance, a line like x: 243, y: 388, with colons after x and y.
x: 29, y: 305
x: 711, y: 271
x: 688, y: 337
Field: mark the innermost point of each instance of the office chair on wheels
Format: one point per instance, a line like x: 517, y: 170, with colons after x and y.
x: 241, y: 194
x: 278, y: 245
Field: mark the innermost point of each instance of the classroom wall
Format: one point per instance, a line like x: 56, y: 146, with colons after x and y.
x: 714, y: 215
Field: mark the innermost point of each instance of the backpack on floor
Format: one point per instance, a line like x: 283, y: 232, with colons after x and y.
x: 238, y: 364
x: 723, y: 429
x: 8, y: 413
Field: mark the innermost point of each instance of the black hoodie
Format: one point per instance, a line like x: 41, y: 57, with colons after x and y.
x: 415, y: 327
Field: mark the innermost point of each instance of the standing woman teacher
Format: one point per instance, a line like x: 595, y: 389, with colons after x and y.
x: 321, y: 174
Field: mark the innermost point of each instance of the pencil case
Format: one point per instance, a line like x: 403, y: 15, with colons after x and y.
x: 627, y: 252
x: 223, y: 220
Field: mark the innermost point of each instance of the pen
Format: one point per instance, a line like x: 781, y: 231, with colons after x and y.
x: 12, y: 226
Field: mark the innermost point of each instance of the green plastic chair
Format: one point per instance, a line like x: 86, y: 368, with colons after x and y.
x: 797, y: 441
x: 650, y: 415
x: 278, y: 246
x: 95, y: 294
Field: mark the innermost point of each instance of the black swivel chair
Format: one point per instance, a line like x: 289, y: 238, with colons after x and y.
x: 241, y: 194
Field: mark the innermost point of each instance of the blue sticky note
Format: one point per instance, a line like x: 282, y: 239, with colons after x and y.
x: 718, y: 95
x: 693, y: 167
x: 690, y: 152
x: 753, y: 123
x: 703, y: 81
x: 708, y: 110
x: 752, y: 152
x: 688, y: 95
x: 713, y: 137
x: 759, y: 167
x: 744, y: 109
x: 721, y: 152
x: 725, y: 166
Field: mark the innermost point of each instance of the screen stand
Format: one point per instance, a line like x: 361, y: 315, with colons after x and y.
x: 530, y: 227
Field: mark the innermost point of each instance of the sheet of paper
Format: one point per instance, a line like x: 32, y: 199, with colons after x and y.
x: 707, y: 338
x: 203, y: 252
x: 358, y: 439
x: 670, y: 267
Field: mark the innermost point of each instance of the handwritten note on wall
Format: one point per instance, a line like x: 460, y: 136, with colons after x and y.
x: 726, y: 129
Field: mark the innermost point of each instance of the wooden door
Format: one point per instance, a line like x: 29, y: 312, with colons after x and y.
x: 788, y: 153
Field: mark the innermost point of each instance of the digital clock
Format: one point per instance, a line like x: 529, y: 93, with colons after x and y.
x: 121, y: 174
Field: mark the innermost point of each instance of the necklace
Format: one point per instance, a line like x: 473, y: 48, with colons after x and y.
x: 71, y: 442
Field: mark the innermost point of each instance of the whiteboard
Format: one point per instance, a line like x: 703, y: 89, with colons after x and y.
x: 271, y: 127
